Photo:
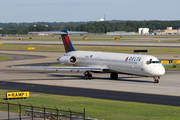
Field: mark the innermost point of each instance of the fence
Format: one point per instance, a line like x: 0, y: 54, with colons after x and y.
x: 32, y: 112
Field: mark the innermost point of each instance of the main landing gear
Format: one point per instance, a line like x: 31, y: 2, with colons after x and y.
x: 156, y: 79
x: 87, y: 75
x: 114, y: 76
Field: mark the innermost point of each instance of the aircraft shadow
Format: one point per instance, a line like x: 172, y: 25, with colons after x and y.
x: 81, y: 77
x: 127, y: 79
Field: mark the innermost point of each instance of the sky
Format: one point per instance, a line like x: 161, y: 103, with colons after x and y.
x: 87, y: 10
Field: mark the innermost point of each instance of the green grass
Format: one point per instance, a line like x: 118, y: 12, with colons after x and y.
x: 171, y: 67
x: 91, y: 37
x: 99, y: 108
x: 100, y: 39
x: 116, y: 49
x: 73, y: 39
x: 5, y: 57
x: 171, y: 41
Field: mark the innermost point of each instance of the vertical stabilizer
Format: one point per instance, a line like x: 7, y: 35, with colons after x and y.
x: 65, y: 37
x: 67, y: 41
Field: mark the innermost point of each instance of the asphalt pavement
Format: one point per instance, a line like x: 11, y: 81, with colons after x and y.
x: 93, y: 93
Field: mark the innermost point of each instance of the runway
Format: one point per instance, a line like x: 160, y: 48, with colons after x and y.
x: 126, y: 88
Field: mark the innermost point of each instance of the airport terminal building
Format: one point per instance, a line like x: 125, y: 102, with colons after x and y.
x: 167, y: 31
x: 120, y: 33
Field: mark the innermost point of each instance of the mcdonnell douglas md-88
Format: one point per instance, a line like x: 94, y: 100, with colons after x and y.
x: 104, y: 62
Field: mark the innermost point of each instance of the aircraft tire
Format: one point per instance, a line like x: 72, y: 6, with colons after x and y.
x: 114, y: 76
x: 156, y: 81
x: 86, y: 77
x: 89, y: 76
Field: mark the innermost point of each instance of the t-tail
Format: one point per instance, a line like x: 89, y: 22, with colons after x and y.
x: 67, y: 41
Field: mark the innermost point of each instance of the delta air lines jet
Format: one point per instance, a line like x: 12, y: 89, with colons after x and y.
x: 105, y: 62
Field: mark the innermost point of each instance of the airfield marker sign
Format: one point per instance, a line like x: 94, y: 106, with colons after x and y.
x: 21, y: 94
x: 31, y: 48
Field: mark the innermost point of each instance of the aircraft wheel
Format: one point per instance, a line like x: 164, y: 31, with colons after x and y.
x: 114, y: 76
x: 89, y: 76
x: 156, y: 81
x: 86, y: 77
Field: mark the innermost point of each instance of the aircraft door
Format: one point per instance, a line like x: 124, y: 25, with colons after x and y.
x: 142, y: 66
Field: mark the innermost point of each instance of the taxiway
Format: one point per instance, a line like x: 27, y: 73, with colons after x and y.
x: 127, y: 88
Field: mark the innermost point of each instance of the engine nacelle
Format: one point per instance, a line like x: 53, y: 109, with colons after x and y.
x: 67, y: 60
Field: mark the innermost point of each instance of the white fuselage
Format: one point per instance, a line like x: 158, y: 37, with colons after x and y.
x: 136, y: 64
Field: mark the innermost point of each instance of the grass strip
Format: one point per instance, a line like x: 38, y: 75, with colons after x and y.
x: 98, y: 108
x: 171, y: 67
x: 5, y: 57
x: 73, y: 39
x: 162, y: 41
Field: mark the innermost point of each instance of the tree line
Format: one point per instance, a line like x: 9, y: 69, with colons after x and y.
x: 91, y: 27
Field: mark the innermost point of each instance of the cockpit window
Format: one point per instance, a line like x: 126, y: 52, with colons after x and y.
x: 156, y: 62
x: 150, y: 61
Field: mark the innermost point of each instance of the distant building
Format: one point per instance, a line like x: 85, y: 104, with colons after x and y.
x: 168, y: 28
x: 120, y: 33
x: 167, y: 31
x: 100, y: 20
x: 143, y: 31
x: 152, y: 33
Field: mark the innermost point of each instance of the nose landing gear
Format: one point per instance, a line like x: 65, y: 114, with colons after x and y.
x: 156, y: 79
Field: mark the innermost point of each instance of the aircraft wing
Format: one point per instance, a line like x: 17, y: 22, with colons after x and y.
x: 167, y: 64
x: 61, y: 68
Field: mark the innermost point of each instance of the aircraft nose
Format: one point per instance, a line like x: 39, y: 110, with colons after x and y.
x: 161, y: 71
x: 156, y: 70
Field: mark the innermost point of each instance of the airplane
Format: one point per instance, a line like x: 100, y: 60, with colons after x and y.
x: 104, y: 62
